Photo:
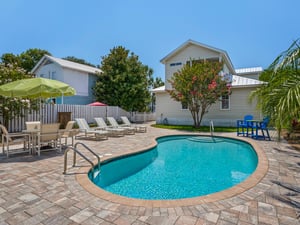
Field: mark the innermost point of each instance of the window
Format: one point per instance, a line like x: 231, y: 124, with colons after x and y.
x: 214, y: 59
x: 184, y: 106
x: 176, y: 64
x: 53, y: 75
x: 225, y: 102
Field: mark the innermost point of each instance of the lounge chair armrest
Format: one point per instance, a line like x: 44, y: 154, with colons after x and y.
x: 12, y: 135
x: 50, y: 133
x: 125, y: 125
x: 99, y: 128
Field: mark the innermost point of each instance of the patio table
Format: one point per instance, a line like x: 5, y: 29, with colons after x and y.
x: 33, y: 139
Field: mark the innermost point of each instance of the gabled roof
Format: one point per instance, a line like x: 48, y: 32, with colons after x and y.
x: 66, y: 64
x: 191, y: 42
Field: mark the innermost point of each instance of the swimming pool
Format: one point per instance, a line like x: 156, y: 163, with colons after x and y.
x: 179, y: 167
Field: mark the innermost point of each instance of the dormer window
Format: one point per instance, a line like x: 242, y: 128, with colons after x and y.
x: 213, y: 59
x: 176, y: 64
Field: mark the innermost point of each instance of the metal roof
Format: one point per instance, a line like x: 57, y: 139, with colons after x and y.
x: 249, y: 70
x: 159, y: 89
x: 66, y: 64
x: 237, y: 82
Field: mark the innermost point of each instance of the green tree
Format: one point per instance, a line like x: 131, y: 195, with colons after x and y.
x: 279, y: 96
x: 31, y: 57
x: 157, y: 82
x: 12, y: 107
x: 26, y: 60
x: 125, y: 81
x: 199, y: 85
x: 10, y: 58
x: 77, y: 60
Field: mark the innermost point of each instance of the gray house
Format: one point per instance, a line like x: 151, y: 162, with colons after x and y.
x: 79, y: 76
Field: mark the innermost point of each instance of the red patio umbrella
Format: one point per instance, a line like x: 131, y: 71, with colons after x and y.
x: 97, y: 104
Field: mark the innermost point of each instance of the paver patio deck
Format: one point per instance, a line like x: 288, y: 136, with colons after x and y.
x: 34, y: 190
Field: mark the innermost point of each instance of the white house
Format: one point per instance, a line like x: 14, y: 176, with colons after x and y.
x: 223, y: 113
x: 79, y: 76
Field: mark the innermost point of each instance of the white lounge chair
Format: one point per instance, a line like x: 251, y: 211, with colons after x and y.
x: 89, y: 132
x: 112, y: 130
x: 127, y: 123
x: 114, y: 123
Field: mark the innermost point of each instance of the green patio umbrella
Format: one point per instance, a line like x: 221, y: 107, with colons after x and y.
x: 36, y: 88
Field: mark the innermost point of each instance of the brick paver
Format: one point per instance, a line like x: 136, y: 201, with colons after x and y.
x: 34, y: 190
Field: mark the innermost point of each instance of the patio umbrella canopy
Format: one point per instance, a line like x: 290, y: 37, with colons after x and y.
x: 97, y: 104
x: 36, y: 88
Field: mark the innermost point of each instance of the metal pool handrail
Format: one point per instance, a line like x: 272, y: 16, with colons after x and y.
x: 75, y: 150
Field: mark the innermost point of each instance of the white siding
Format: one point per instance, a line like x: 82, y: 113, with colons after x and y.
x: 186, y: 54
x: 50, y: 71
x: 78, y: 80
x: 239, y: 106
x: 167, y: 108
x: 75, y: 78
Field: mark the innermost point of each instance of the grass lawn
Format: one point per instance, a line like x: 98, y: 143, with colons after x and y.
x: 193, y: 129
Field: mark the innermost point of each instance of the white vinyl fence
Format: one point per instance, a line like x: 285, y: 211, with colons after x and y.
x: 50, y: 114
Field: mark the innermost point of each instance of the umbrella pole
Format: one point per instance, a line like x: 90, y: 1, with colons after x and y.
x: 40, y: 113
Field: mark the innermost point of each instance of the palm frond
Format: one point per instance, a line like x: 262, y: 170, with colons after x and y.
x: 288, y: 58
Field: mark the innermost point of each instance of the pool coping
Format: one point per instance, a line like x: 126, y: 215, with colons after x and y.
x: 250, y: 182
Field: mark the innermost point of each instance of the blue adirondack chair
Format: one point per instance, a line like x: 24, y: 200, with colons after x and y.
x: 242, y: 126
x: 261, y: 126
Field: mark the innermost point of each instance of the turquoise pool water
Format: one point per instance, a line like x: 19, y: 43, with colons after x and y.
x: 179, y: 167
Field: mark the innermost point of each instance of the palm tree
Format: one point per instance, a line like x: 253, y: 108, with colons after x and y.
x: 279, y: 97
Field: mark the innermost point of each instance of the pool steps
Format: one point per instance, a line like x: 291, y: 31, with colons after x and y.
x: 205, y: 139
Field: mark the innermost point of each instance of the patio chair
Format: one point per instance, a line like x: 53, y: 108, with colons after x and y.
x: 14, y: 138
x: 88, y: 132
x: 69, y: 132
x: 33, y: 128
x: 127, y: 123
x: 112, y: 131
x: 242, y: 126
x: 114, y: 123
x: 261, y: 126
x: 49, y: 138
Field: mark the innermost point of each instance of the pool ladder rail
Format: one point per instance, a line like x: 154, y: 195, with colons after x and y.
x: 211, y: 128
x: 76, y: 150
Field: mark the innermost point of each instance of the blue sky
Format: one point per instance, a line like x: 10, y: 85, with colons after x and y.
x: 253, y: 32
